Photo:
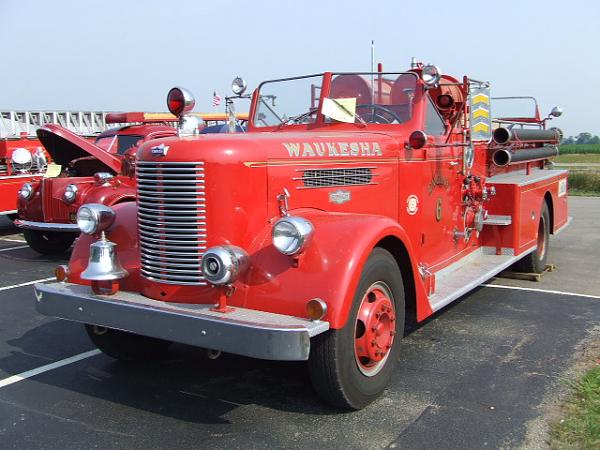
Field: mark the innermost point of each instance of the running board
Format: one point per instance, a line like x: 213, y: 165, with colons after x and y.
x: 469, y: 272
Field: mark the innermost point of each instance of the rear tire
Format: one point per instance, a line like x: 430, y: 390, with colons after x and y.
x: 49, y: 242
x: 127, y: 346
x: 535, y: 262
x: 351, y: 367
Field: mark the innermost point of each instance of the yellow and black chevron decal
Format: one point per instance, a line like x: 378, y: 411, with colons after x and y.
x: 481, y: 114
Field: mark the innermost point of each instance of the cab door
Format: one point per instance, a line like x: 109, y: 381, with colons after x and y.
x: 431, y: 189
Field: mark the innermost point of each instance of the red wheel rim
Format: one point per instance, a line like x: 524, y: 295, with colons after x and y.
x: 374, y: 329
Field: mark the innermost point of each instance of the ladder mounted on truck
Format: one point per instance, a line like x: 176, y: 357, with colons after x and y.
x: 17, y: 124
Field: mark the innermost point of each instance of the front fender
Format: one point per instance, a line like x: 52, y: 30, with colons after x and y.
x: 123, y: 232
x: 329, y: 269
x: 110, y: 195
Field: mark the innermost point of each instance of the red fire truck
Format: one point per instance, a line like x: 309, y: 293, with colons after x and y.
x: 85, y: 172
x: 352, y: 203
x: 22, y: 156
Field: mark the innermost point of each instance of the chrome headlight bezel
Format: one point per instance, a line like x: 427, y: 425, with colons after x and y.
x: 26, y: 191
x: 292, y: 234
x: 224, y: 264
x: 70, y: 193
x: 94, y: 217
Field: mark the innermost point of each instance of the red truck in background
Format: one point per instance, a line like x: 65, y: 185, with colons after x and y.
x: 23, y: 158
x: 353, y: 202
x: 83, y: 171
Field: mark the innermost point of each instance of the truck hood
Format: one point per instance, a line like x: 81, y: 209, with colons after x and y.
x: 64, y: 146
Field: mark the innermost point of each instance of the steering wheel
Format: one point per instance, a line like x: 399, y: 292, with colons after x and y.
x: 384, y: 115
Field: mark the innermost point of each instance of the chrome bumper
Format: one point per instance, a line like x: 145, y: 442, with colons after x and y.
x: 43, y: 226
x: 242, y: 331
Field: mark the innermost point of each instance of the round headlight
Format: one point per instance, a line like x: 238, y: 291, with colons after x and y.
x: 21, y: 156
x: 292, y: 234
x: 94, y: 217
x: 224, y: 264
x: 70, y: 193
x: 238, y: 85
x: 26, y: 191
x: 431, y: 75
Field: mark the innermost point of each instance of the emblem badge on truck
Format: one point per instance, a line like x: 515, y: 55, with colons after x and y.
x: 160, y: 150
x: 339, y: 196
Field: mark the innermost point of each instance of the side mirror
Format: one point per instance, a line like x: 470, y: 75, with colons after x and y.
x: 556, y: 111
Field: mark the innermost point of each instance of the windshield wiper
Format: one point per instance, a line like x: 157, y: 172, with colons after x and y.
x: 296, y: 118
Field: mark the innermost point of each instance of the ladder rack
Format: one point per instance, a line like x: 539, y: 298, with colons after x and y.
x: 16, y: 124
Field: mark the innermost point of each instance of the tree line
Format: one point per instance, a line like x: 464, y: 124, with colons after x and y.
x: 581, y: 138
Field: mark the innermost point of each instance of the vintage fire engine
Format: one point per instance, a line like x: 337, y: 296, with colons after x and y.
x: 22, y: 156
x: 352, y: 203
x: 86, y: 172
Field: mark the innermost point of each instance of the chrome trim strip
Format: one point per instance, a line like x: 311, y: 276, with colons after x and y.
x: 43, y: 226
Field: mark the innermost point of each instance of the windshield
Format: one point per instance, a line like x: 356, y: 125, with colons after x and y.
x: 514, y: 107
x: 121, y: 142
x: 283, y: 100
x: 364, y: 98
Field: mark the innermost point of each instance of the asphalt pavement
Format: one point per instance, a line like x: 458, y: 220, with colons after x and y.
x: 474, y: 376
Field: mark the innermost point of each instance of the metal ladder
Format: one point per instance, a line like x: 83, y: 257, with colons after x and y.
x: 15, y: 124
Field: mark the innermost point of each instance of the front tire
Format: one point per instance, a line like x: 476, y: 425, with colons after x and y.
x: 535, y: 262
x: 127, y: 346
x: 351, y: 367
x: 49, y: 242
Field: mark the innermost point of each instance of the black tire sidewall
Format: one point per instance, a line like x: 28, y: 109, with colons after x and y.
x: 539, y: 262
x: 360, y: 389
x: 49, y: 242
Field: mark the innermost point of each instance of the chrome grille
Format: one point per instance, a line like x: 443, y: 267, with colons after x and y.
x: 171, y: 221
x: 314, y: 178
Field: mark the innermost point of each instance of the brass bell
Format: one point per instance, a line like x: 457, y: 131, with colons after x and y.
x: 103, y: 263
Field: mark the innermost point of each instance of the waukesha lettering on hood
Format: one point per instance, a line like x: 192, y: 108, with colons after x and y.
x: 314, y: 149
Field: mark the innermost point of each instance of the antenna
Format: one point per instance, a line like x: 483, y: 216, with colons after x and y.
x: 372, y: 71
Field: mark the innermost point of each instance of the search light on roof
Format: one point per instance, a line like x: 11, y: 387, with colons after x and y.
x: 180, y: 101
x: 238, y: 86
x: 431, y: 75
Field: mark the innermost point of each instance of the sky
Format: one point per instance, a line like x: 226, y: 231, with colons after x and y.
x: 126, y: 55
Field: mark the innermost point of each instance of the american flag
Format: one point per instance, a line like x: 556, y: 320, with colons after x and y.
x: 216, y: 99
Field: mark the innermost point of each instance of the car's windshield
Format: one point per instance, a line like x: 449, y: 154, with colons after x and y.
x: 384, y: 98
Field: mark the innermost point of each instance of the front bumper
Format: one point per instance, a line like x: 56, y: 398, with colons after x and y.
x: 43, y: 226
x: 242, y: 331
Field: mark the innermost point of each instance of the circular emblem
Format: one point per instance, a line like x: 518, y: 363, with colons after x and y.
x: 412, y: 204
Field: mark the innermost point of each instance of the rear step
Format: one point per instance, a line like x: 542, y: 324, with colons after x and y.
x: 462, y: 276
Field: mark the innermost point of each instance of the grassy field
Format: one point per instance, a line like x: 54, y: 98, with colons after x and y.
x: 582, y: 180
x: 579, y: 148
x: 578, y: 158
x: 580, y: 428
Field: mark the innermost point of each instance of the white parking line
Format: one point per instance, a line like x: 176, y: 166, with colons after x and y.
x: 13, y: 248
x: 545, y: 291
x: 55, y: 365
x: 27, y: 283
x: 13, y: 240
